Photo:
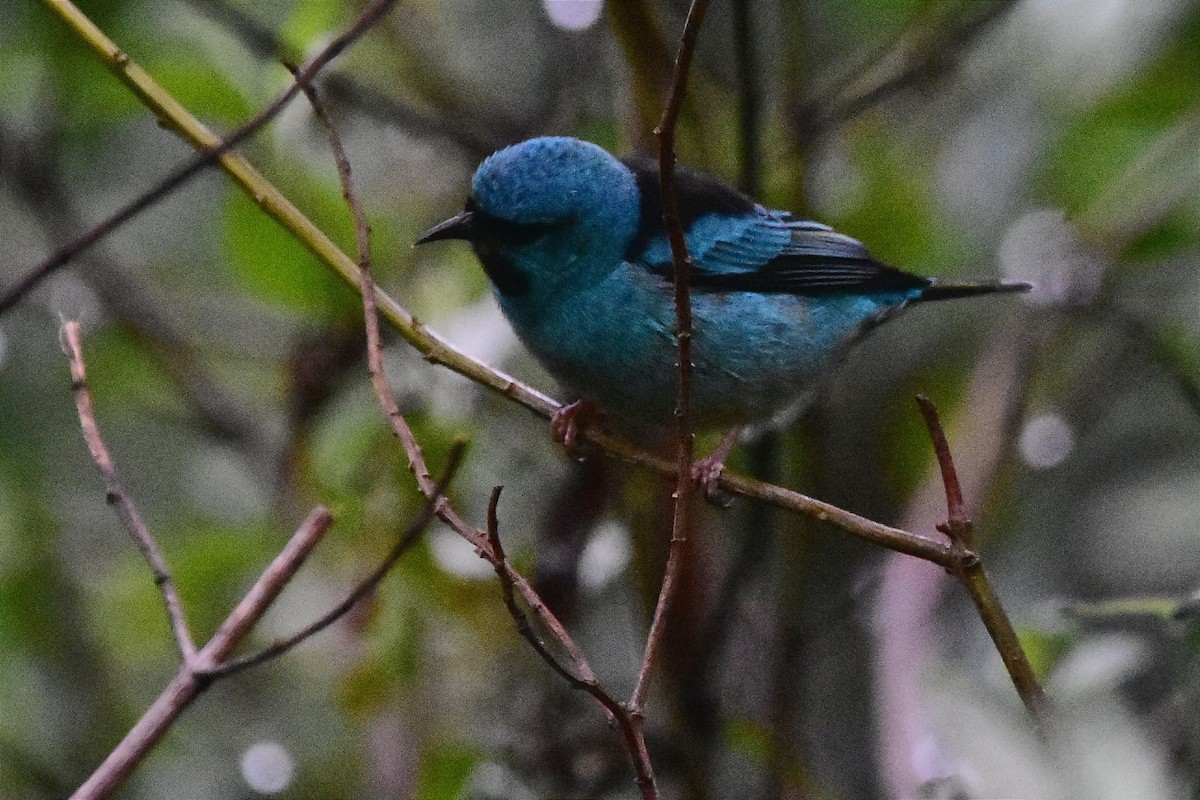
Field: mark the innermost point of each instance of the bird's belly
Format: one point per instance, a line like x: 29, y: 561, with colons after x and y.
x: 753, y: 354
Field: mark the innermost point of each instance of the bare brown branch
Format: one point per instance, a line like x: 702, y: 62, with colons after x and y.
x: 631, y: 734
x: 968, y: 569
x: 118, y: 497
x: 681, y: 525
x: 958, y: 526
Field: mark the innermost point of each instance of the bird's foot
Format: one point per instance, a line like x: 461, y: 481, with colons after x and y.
x: 568, y: 423
x: 706, y: 472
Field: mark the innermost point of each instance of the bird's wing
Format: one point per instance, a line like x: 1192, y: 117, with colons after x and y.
x: 737, y: 245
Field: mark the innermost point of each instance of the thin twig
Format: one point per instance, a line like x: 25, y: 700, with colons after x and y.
x: 634, y: 741
x: 969, y: 571
x: 364, y: 587
x: 119, y: 498
x: 958, y: 525
x: 510, y: 600
x: 665, y: 132
x: 188, y: 683
x: 264, y: 591
x: 211, y: 152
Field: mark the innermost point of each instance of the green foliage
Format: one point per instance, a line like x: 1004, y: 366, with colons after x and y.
x: 273, y: 267
x: 896, y: 212
x: 1045, y: 648
x: 445, y: 770
x: 1101, y: 143
x: 203, y: 87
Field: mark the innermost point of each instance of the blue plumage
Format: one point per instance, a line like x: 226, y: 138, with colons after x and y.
x: 573, y: 241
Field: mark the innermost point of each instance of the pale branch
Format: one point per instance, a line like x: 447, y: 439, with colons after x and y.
x: 119, y: 498
x: 365, y: 587
x: 193, y: 676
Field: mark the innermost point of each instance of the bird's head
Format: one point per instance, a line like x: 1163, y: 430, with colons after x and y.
x: 546, y: 213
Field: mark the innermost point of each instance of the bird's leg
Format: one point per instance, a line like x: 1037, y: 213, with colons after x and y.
x: 569, y: 421
x: 706, y: 472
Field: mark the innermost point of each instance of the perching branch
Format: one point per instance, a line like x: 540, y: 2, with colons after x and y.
x: 970, y: 573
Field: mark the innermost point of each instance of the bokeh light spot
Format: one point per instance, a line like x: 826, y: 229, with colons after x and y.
x: 267, y: 767
x: 1046, y: 441
x: 573, y: 15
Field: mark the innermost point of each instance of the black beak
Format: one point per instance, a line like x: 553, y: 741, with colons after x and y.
x: 457, y: 227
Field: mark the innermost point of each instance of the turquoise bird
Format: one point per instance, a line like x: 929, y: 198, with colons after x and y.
x: 573, y: 242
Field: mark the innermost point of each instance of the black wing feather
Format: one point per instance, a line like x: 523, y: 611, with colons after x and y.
x: 818, y: 261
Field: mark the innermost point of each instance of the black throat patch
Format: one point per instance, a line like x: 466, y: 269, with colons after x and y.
x: 503, y: 273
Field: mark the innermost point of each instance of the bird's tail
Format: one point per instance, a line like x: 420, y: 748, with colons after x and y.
x: 949, y: 291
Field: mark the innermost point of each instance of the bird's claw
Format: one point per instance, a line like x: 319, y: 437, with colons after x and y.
x: 567, y: 424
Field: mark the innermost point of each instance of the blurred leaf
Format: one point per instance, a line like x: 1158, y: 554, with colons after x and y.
x: 896, y: 215
x: 124, y: 376
x: 749, y: 738
x: 1045, y: 648
x: 202, y: 88
x: 444, y: 771
x: 274, y: 267
x: 1101, y: 143
x: 1175, y: 234
x: 309, y: 22
x: 871, y: 18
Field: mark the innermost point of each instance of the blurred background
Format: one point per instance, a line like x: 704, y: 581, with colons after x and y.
x: 1056, y: 141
